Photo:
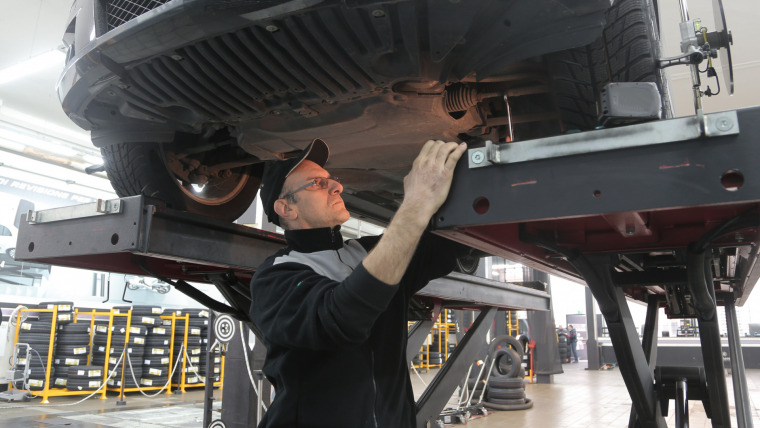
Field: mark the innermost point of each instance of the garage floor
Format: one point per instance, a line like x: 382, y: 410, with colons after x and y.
x: 577, y: 398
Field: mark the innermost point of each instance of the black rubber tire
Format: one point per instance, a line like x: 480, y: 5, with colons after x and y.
x: 62, y: 318
x: 43, y: 326
x: 63, y: 306
x: 468, y: 264
x: 147, y: 310
x: 70, y: 360
x: 526, y: 405
x: 73, y: 339
x: 504, y: 341
x: 78, y: 349
x: 507, y: 383
x: 157, y: 341
x: 41, y: 338
x: 85, y: 372
x: 74, y: 328
x: 156, y: 360
x: 141, y: 169
x: 627, y: 52
x: 505, y: 394
x: 508, y: 363
x: 82, y: 384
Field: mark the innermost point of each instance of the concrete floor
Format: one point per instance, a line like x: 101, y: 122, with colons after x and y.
x: 577, y: 398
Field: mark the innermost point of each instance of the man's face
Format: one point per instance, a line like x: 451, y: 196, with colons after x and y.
x: 314, y: 207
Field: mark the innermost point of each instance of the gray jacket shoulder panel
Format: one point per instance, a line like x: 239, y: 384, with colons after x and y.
x: 333, y: 264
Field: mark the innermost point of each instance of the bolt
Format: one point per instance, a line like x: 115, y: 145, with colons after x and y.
x: 477, y: 157
x: 378, y: 13
x: 724, y: 124
x: 272, y: 28
x: 176, y: 57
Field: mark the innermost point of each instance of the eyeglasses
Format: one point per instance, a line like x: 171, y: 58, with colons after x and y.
x: 319, y: 183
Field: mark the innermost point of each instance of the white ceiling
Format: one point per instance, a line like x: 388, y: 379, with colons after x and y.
x: 31, y: 27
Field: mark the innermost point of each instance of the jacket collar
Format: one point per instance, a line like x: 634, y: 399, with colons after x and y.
x: 311, y: 240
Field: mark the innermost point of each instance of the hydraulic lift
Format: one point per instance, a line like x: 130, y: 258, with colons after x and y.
x: 142, y: 237
x: 662, y: 212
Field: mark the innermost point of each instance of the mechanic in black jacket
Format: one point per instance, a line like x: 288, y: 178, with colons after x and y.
x: 333, y: 313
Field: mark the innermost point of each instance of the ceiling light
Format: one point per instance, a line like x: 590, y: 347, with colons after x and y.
x: 32, y: 65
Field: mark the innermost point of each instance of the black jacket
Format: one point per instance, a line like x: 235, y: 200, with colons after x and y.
x: 335, y: 335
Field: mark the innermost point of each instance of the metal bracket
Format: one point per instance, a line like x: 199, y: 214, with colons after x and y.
x: 101, y: 207
x: 644, y: 134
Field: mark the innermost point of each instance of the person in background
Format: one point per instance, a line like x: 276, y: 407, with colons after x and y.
x: 572, y: 339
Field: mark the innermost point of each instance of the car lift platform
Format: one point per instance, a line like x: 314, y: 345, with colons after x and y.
x: 664, y: 212
x: 137, y: 236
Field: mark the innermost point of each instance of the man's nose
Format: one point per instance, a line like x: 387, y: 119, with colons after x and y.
x: 336, y: 187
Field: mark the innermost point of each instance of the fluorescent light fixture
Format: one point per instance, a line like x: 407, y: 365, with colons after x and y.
x: 32, y: 65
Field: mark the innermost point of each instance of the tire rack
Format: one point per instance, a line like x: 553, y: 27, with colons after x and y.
x: 47, y: 391
x: 183, y: 374
x: 181, y: 385
x: 442, y: 328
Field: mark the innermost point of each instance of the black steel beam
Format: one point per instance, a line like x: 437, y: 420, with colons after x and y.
x: 637, y: 375
x: 416, y: 338
x: 438, y: 393
x: 648, y: 344
x: 741, y: 392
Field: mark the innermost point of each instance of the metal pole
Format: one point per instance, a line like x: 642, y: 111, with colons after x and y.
x: 741, y: 395
x: 208, y: 390
x: 682, y: 404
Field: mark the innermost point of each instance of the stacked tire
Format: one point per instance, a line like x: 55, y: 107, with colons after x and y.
x: 132, y: 347
x: 211, y: 369
x: 64, y: 315
x: 195, y: 364
x: 72, y: 350
x: 37, y: 335
x: 564, y: 346
x: 156, y: 359
x: 84, y: 378
x: 506, y: 388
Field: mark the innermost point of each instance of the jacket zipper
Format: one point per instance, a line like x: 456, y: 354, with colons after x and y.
x: 374, y: 387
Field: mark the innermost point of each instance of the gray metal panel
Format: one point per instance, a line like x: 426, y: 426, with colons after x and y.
x: 651, y: 177
x: 472, y: 289
x: 143, y: 229
x: 70, y: 235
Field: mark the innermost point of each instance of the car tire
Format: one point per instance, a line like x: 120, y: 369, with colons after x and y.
x: 506, y: 341
x: 141, y: 169
x: 507, y: 363
x: 627, y: 51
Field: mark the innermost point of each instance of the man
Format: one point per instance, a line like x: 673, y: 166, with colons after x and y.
x: 333, y: 314
x: 572, y: 339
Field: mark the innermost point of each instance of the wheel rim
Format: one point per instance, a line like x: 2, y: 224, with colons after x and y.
x: 217, y: 191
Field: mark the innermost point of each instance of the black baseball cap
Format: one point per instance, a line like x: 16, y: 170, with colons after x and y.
x: 276, y: 172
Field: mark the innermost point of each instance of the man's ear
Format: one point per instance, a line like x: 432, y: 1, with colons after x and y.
x: 284, y: 210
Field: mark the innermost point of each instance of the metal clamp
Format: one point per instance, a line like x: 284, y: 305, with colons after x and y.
x: 100, y: 207
x: 625, y: 137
